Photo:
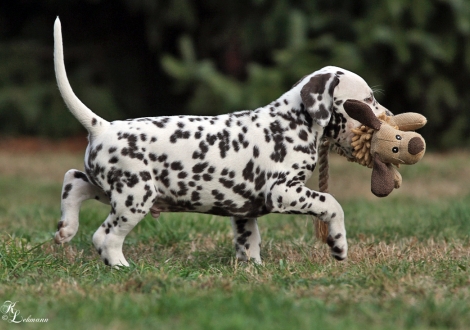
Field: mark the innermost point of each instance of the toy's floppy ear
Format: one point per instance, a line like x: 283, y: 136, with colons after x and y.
x: 408, y: 121
x: 382, y: 180
x: 362, y: 113
x: 317, y: 96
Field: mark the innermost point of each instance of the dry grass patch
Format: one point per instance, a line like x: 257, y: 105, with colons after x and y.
x: 43, y: 167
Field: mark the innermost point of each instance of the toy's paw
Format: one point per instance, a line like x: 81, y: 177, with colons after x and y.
x: 397, y: 180
x: 396, y: 177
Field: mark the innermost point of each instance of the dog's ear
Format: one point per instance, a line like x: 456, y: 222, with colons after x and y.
x: 362, y: 113
x: 317, y: 97
x: 382, y: 179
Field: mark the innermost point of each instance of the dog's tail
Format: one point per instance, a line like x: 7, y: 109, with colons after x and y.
x: 93, y: 123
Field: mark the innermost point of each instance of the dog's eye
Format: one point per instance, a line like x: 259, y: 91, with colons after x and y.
x: 395, y: 150
x: 369, y: 99
x: 398, y: 137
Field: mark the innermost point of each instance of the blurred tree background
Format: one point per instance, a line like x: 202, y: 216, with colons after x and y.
x: 131, y: 58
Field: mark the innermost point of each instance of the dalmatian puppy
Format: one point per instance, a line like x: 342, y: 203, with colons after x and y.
x: 241, y: 165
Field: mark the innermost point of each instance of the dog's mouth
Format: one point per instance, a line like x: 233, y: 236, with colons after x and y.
x: 344, y: 150
x: 345, y: 139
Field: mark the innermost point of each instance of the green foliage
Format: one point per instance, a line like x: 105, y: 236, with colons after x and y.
x: 31, y: 105
x: 212, y: 57
x: 415, y: 51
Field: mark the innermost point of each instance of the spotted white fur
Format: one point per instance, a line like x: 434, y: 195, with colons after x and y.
x: 242, y: 165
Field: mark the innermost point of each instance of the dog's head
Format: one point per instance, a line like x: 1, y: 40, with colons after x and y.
x: 323, y: 94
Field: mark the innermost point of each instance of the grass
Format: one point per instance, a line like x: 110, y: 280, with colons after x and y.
x: 408, y: 265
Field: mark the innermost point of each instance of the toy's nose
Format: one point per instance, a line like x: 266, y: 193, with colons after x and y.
x: 415, y: 146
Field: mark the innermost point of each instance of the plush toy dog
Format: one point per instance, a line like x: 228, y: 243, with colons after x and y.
x: 383, y: 142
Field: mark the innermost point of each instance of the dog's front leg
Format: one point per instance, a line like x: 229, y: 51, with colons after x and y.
x: 75, y: 190
x: 298, y: 199
x: 246, y: 239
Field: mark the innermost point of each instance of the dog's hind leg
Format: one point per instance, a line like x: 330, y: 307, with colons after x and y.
x: 128, y: 207
x: 75, y: 189
x: 246, y: 238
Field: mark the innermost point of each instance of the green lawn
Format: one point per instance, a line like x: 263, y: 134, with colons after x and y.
x: 408, y: 264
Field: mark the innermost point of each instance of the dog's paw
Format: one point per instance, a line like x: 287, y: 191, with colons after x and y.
x: 243, y: 257
x: 338, y: 246
x: 109, y: 249
x: 114, y: 259
x: 64, y: 232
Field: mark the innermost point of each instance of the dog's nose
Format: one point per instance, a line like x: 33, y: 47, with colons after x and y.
x: 415, y: 146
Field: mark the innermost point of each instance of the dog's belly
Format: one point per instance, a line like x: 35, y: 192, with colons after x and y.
x: 253, y: 206
x: 197, y: 166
